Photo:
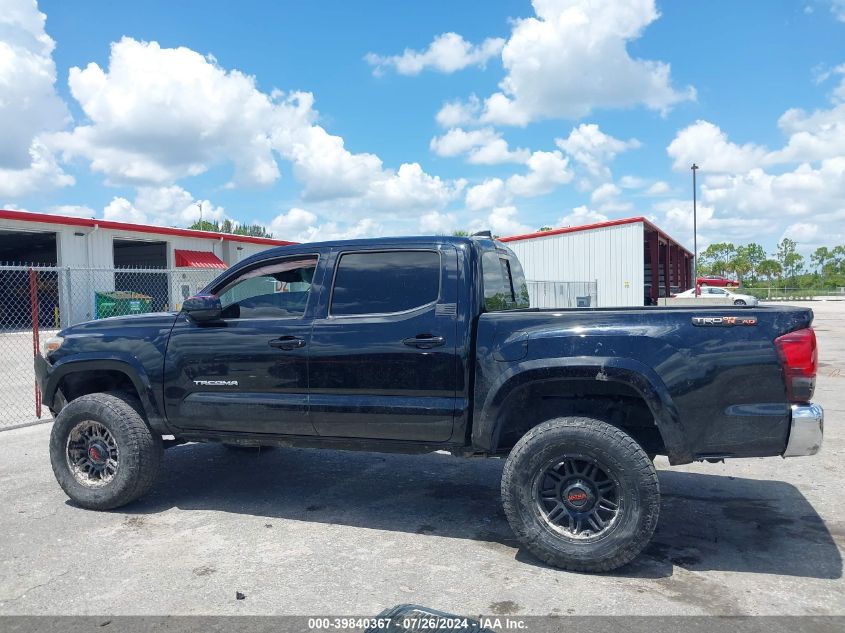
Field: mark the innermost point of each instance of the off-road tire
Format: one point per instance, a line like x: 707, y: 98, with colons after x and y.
x: 140, y: 449
x: 615, y: 451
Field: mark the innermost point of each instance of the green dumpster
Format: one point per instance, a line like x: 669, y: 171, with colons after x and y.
x: 121, y: 302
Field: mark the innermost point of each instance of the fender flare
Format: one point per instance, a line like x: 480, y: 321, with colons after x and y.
x: 643, y: 379
x: 127, y: 365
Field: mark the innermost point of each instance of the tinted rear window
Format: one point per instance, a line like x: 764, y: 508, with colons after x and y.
x: 383, y: 282
x: 504, y: 282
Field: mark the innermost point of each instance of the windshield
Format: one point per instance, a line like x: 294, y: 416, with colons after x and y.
x: 504, y: 282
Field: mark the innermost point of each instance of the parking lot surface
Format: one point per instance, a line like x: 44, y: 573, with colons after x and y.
x: 328, y: 532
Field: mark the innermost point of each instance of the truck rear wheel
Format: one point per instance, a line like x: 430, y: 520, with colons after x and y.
x: 581, y: 494
x: 102, y: 451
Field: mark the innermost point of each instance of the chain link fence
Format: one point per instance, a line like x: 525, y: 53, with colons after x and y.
x: 786, y: 293
x: 37, y: 301
x: 563, y: 294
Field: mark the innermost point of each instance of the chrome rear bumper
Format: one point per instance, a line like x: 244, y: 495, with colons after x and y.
x: 806, y: 431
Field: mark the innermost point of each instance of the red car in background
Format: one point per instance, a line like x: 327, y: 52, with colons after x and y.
x: 716, y: 280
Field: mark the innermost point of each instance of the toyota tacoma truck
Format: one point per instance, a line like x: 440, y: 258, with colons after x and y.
x: 414, y: 345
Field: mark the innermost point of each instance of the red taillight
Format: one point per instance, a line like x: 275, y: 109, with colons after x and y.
x: 800, y: 358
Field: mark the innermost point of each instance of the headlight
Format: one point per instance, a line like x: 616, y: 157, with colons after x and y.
x: 52, y: 344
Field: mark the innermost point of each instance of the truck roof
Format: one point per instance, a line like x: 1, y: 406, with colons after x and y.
x: 305, y: 247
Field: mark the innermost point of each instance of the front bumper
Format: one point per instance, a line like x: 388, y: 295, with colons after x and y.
x: 806, y: 431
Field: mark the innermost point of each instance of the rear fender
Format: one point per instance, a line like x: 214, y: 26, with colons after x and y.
x: 641, y: 378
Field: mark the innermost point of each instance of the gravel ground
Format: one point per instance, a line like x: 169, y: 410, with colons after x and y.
x: 328, y: 532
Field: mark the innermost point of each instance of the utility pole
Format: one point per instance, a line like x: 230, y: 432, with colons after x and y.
x: 694, y: 168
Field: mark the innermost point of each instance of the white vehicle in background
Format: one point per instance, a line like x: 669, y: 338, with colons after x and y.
x: 717, y: 295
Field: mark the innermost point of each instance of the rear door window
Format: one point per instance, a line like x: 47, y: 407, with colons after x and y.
x: 385, y: 282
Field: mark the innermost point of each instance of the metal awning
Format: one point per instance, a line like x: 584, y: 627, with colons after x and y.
x: 198, y: 259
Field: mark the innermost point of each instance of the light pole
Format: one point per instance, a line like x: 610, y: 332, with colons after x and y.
x: 199, y: 204
x: 694, y: 168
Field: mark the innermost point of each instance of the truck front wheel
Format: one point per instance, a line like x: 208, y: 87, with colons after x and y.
x: 581, y: 494
x: 102, y: 451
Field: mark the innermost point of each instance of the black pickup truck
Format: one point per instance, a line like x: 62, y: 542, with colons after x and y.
x: 423, y: 344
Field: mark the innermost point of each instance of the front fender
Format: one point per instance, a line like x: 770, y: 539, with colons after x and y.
x: 124, y: 363
x: 640, y: 377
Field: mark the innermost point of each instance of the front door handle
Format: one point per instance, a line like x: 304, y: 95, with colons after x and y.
x: 287, y: 342
x: 425, y: 341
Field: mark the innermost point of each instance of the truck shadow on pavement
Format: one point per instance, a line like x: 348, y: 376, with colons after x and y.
x: 707, y: 522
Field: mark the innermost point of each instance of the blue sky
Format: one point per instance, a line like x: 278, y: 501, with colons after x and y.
x: 574, y: 111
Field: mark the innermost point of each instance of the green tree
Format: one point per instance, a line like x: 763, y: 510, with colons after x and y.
x: 770, y: 269
x: 740, y: 265
x: 838, y: 257
x: 754, y: 254
x: 254, y: 230
x: 206, y: 225
x: 821, y: 258
x: 544, y: 228
x: 460, y: 233
x: 715, y: 259
x: 789, y: 258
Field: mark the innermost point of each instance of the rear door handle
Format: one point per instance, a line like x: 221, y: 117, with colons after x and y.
x: 424, y: 341
x: 287, y: 342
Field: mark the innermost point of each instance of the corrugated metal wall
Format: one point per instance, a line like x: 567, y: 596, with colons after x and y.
x: 612, y: 256
x: 91, y: 253
x: 94, y: 248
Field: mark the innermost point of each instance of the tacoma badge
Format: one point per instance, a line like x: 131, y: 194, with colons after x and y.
x: 216, y: 383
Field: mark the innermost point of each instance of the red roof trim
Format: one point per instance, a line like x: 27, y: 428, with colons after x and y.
x: 597, y: 225
x: 28, y: 216
x: 197, y: 259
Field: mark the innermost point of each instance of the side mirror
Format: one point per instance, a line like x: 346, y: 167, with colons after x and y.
x: 202, y: 308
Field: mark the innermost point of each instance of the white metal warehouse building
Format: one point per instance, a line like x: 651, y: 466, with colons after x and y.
x: 604, y: 264
x: 77, y: 258
x: 618, y: 256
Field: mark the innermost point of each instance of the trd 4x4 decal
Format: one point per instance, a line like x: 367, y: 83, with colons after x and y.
x: 723, y: 321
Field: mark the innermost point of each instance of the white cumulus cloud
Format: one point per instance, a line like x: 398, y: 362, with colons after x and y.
x: 572, y: 58
x: 157, y: 115
x: 43, y: 172
x: 438, y: 223
x: 547, y: 170
x: 708, y: 146
x: 459, y: 112
x: 593, y: 149
x: 837, y: 7
x: 483, y: 146
x: 501, y: 221
x: 300, y: 225
x: 490, y: 193
x: 582, y: 215
x: 29, y: 104
x: 447, y: 53
x: 166, y: 206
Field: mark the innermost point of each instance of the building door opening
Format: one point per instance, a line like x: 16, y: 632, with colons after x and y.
x: 148, y: 290
x: 21, y: 290
x: 22, y: 248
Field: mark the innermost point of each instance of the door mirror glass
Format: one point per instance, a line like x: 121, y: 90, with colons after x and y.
x: 203, y: 308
